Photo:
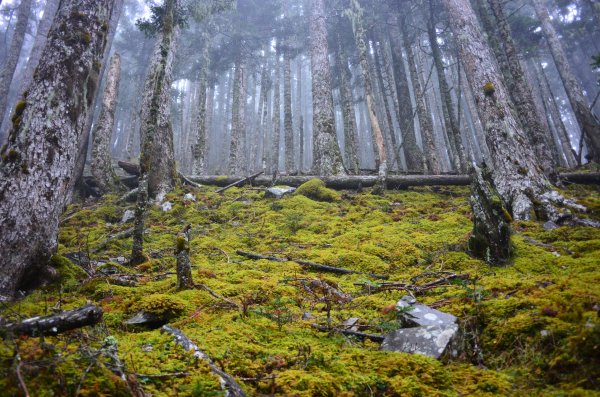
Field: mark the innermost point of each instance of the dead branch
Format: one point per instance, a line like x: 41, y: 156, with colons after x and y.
x: 118, y: 236
x: 56, y: 324
x: 188, y: 181
x: 217, y: 296
x: 415, y: 288
x: 312, y: 265
x: 360, y: 335
x: 321, y: 287
x: 228, y: 384
x: 240, y: 182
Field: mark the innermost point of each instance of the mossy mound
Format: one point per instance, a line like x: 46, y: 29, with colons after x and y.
x: 533, y: 326
x: 315, y: 189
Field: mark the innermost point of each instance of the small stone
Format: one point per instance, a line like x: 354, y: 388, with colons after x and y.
x: 129, y: 215
x: 544, y: 333
x: 166, y: 206
x: 147, y: 348
x: 306, y: 316
x: 189, y: 197
x: 550, y: 225
x: 278, y: 192
x: 121, y: 260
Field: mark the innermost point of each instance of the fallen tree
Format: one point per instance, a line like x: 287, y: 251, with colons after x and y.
x: 55, y: 324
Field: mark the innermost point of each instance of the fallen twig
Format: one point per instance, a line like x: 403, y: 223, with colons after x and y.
x: 240, y: 182
x: 215, y: 295
x: 118, y: 236
x: 228, y: 384
x: 187, y: 181
x: 414, y: 288
x: 361, y: 335
x: 312, y: 265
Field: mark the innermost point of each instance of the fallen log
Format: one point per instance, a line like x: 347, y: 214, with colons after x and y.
x: 130, y: 168
x: 55, y: 324
x: 118, y: 236
x: 312, y: 265
x: 228, y: 384
x: 239, y: 182
x: 360, y: 335
x: 353, y: 182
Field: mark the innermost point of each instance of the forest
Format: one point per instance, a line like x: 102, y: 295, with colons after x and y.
x: 299, y: 198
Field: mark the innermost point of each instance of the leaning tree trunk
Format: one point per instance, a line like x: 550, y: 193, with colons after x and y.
x: 38, y: 161
x: 157, y: 165
x: 12, y: 57
x: 522, y: 94
x: 102, y: 169
x: 326, y: 152
x: 517, y: 177
x: 589, y: 125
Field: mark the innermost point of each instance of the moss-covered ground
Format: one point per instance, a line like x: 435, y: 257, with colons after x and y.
x: 531, y: 328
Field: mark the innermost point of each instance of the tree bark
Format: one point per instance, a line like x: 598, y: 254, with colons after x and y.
x: 276, y: 115
x: 238, y: 120
x: 56, y: 324
x: 12, y: 57
x: 102, y: 168
x: 184, y: 266
x: 327, y: 159
x: 589, y: 125
x: 288, y: 131
x: 199, y: 148
x: 518, y: 178
x: 38, y: 160
x: 522, y: 94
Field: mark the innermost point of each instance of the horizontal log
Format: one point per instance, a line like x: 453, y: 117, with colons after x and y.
x: 393, y: 181
x: 55, y: 324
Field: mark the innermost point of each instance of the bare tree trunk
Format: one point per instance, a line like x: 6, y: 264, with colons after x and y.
x: 238, y: 120
x: 276, y: 115
x: 522, y: 94
x: 38, y: 161
x: 327, y: 159
x: 347, y: 99
x: 199, y: 148
x: 590, y: 127
x: 102, y: 169
x: 12, y: 58
x: 288, y: 131
x: 517, y: 177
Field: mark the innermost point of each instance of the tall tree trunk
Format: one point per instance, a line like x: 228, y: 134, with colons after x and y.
x: 327, y: 159
x: 412, y: 152
x: 356, y: 17
x: 288, y: 131
x: 589, y: 125
x: 517, y: 177
x: 521, y: 92
x: 238, y: 120
x: 157, y: 166
x: 425, y: 121
x: 38, y: 161
x: 102, y: 169
x: 12, y: 57
x: 460, y: 158
x: 199, y: 148
x: 276, y: 115
x: 347, y: 99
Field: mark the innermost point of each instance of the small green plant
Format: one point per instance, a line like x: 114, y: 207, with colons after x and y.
x: 279, y: 311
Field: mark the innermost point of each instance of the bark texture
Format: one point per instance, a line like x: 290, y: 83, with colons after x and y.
x: 288, y: 131
x: 184, y: 266
x: 12, y: 57
x: 589, y: 125
x: 56, y: 324
x: 199, y: 148
x: 238, y: 120
x: 102, y: 168
x: 514, y: 172
x: 326, y: 152
x: 347, y: 99
x: 48, y: 126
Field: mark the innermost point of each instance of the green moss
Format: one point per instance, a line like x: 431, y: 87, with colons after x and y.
x: 70, y: 274
x: 161, y: 305
x: 315, y: 189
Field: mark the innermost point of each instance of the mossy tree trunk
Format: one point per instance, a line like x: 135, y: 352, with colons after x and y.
x: 288, y: 131
x: 157, y: 165
x: 589, y: 125
x: 184, y: 266
x: 327, y: 159
x: 12, y: 57
x: 199, y: 148
x: 237, y: 165
x: 518, y: 178
x: 102, y: 169
x: 48, y: 126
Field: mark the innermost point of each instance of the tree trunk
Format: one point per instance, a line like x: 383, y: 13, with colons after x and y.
x: 38, y: 161
x: 238, y: 120
x: 412, y: 152
x: 276, y: 115
x: 425, y: 122
x: 157, y: 167
x: 102, y: 169
x: 199, y: 148
x: 12, y: 57
x: 590, y: 127
x: 519, y: 180
x: 288, y: 131
x: 521, y: 92
x: 327, y: 159
x: 184, y: 266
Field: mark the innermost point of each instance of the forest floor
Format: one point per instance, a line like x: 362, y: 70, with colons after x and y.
x: 531, y: 328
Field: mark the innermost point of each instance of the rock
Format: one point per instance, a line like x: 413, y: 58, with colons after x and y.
x: 279, y: 192
x: 414, y: 314
x: 189, y: 197
x: 550, y: 225
x: 120, y: 260
x: 147, y: 348
x: 166, y: 206
x: 432, y: 340
x: 129, y: 215
x: 307, y: 316
x: 146, y: 319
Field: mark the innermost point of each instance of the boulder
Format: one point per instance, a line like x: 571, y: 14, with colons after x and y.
x: 431, y: 340
x: 278, y: 192
x: 414, y: 314
x: 128, y: 215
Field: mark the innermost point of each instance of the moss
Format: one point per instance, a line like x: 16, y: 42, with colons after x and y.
x: 161, y: 305
x: 315, y: 189
x: 489, y: 89
x: 70, y: 274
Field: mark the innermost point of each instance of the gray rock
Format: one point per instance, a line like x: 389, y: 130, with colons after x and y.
x: 166, y: 206
x: 189, y: 197
x: 146, y: 319
x: 432, y: 340
x: 278, y: 192
x: 414, y: 314
x: 129, y: 215
x: 550, y: 225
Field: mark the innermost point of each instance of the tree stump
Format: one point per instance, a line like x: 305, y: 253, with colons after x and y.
x: 184, y: 267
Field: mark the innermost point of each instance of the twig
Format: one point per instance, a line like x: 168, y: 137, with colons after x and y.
x: 417, y: 288
x: 361, y: 335
x: 118, y: 236
x: 20, y: 377
x: 187, y: 180
x: 241, y: 181
x: 217, y: 296
x: 162, y: 376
